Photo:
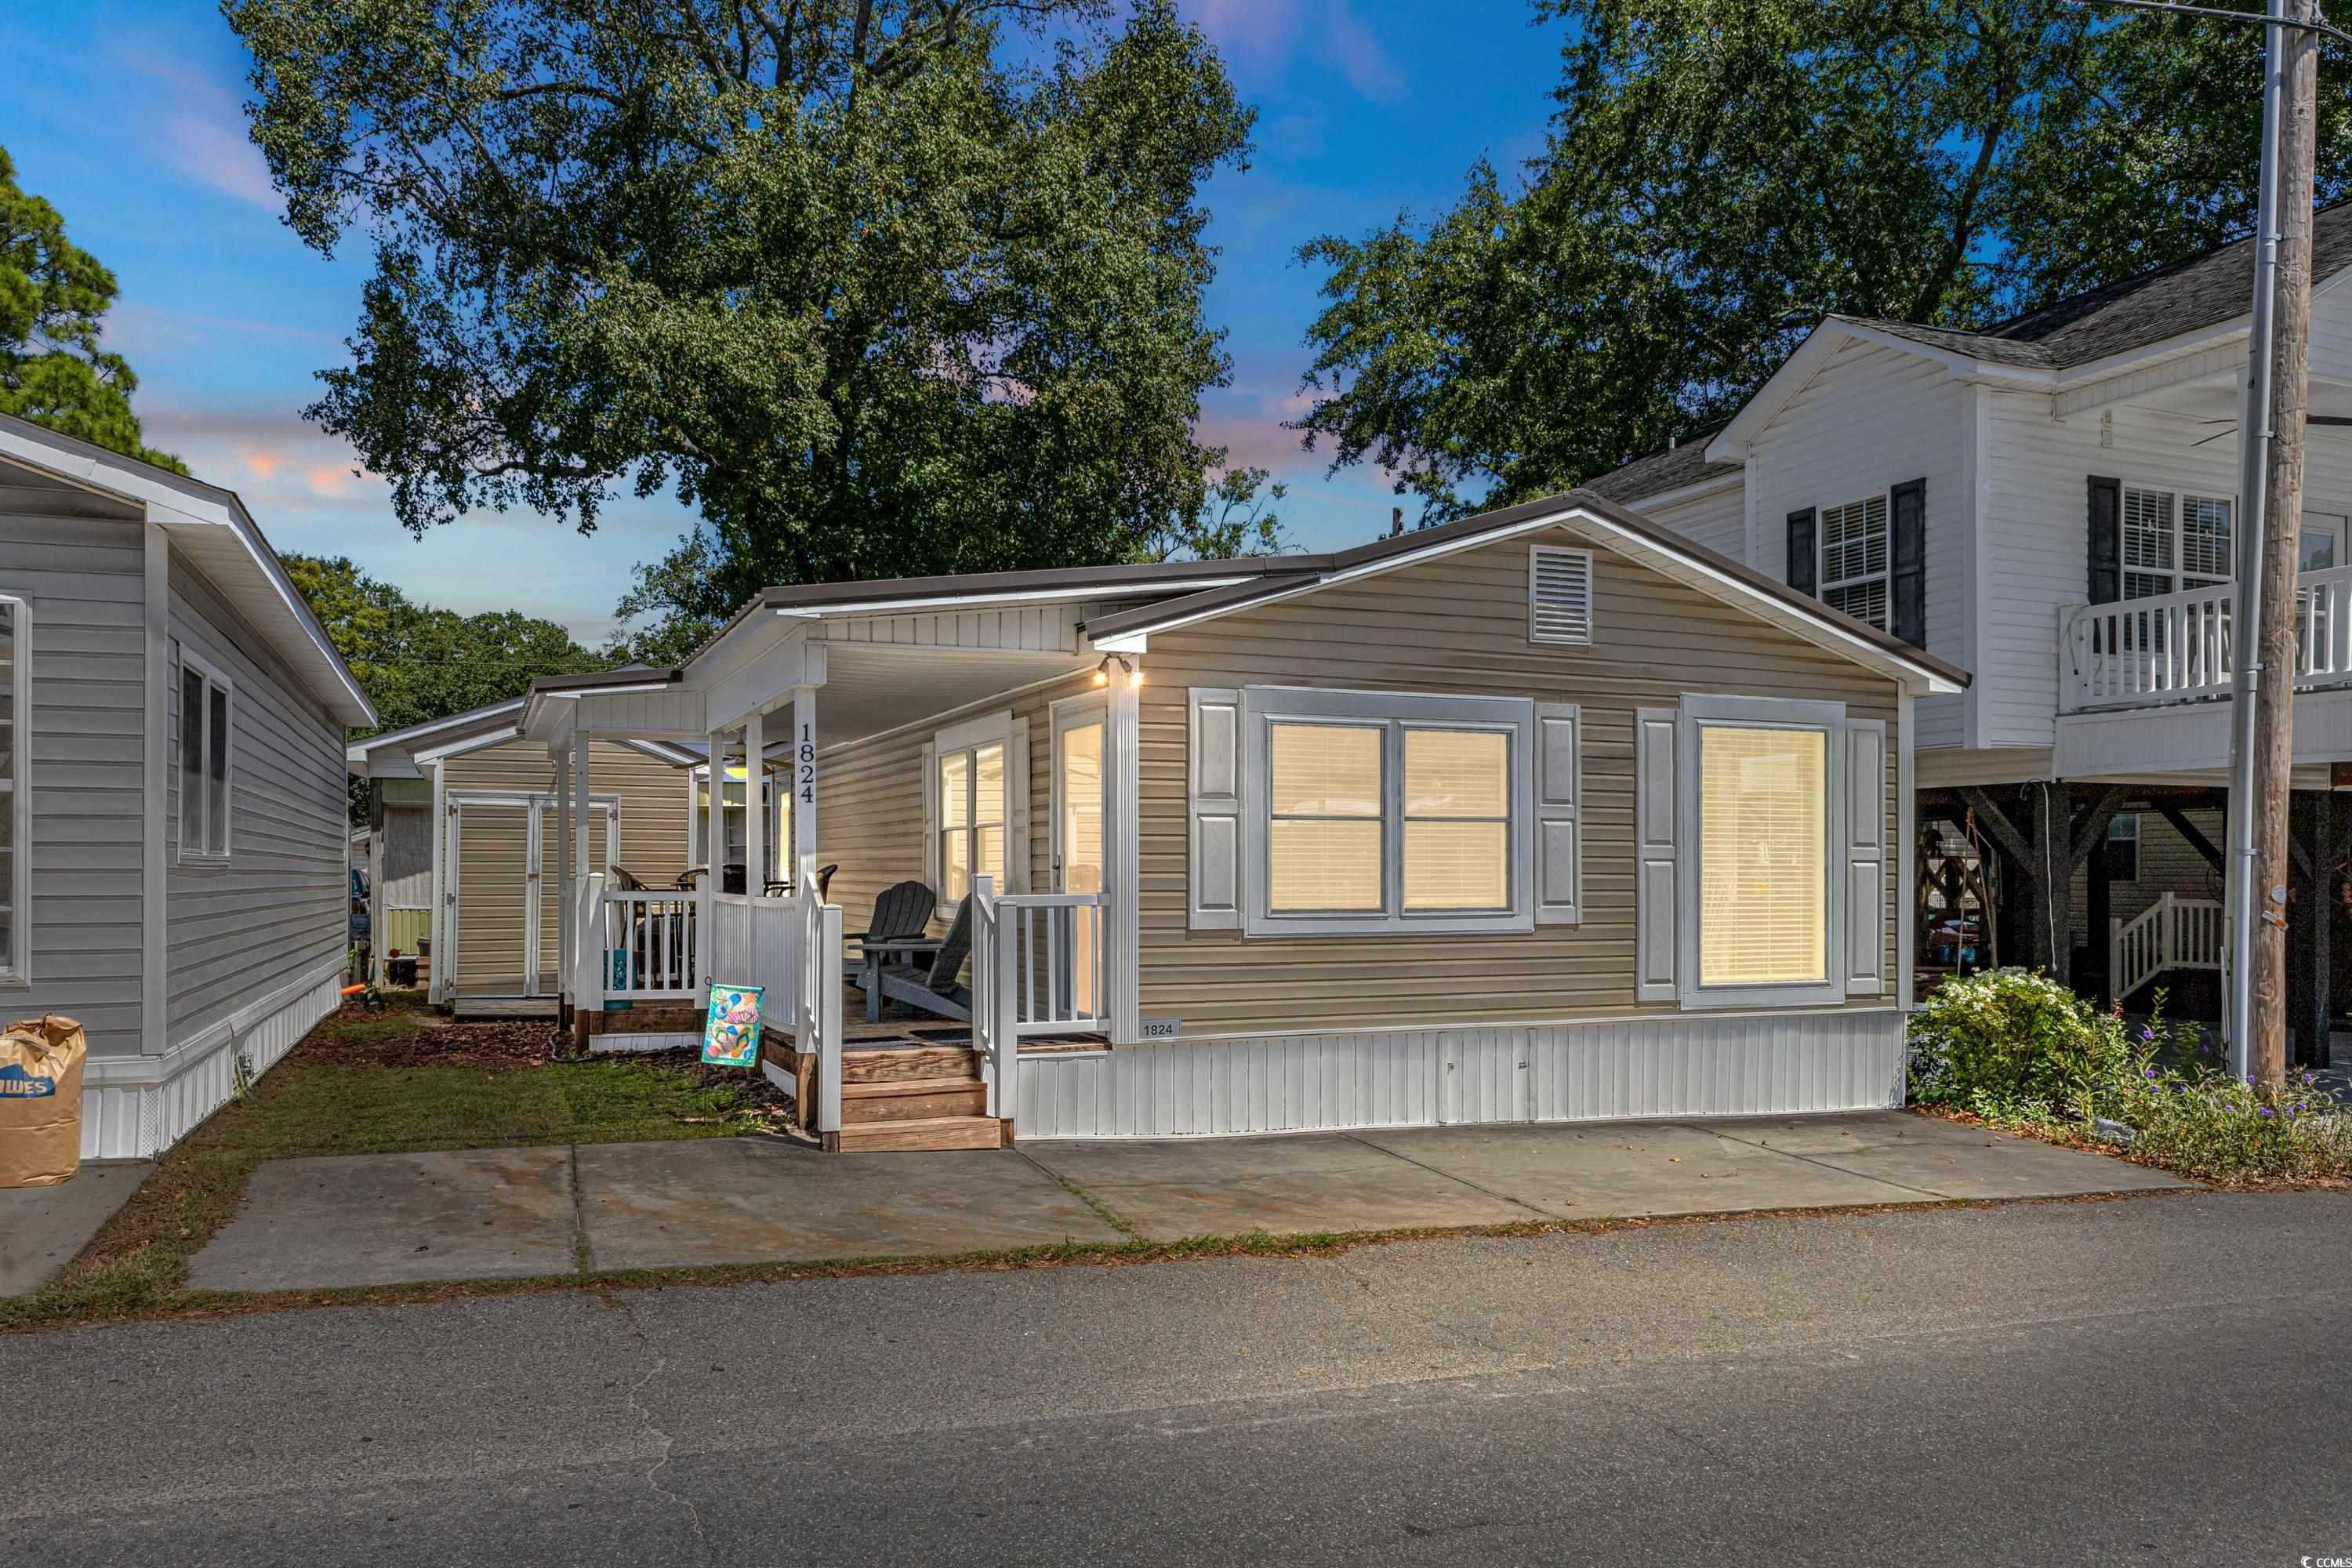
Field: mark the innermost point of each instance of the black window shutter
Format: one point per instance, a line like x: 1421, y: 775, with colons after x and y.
x: 2107, y: 584
x: 1802, y: 554
x: 1907, y: 562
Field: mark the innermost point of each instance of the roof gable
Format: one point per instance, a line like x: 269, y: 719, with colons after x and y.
x: 1587, y: 517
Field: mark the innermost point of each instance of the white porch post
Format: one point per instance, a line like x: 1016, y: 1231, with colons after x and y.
x: 566, y: 960
x: 1123, y: 920
x: 714, y: 843
x: 755, y: 803
x: 801, y: 779
x: 580, y: 802
x: 444, y: 844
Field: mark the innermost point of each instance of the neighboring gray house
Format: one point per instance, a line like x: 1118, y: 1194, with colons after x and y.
x: 172, y: 825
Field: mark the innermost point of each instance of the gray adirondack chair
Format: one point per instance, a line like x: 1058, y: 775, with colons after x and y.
x: 932, y: 987
x: 902, y: 913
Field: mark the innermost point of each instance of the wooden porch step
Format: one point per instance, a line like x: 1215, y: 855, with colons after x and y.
x: 912, y: 1099
x: 912, y: 1062
x: 937, y: 1132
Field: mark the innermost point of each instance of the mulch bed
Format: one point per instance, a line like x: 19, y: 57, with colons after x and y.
x: 488, y: 1046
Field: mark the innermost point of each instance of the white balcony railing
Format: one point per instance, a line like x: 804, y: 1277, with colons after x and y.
x: 2171, y: 933
x: 2180, y: 648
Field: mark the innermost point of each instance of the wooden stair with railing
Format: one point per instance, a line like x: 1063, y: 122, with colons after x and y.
x: 902, y: 1098
x: 2171, y: 933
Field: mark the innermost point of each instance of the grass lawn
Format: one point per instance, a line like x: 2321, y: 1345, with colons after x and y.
x: 387, y: 1083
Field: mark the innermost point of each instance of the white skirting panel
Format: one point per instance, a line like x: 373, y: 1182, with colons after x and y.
x: 1673, y: 1065
x: 123, y: 1118
x: 637, y: 1044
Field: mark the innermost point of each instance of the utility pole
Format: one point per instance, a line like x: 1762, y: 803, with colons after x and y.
x: 2296, y: 49
x: 2270, y: 516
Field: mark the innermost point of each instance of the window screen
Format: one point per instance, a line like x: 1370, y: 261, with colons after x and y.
x: 1763, y: 855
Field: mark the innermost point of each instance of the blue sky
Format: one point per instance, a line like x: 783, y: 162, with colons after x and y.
x: 126, y: 116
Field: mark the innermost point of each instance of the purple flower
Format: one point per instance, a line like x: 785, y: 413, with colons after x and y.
x: 2148, y: 1033
x: 2266, y: 1110
x: 2150, y: 1073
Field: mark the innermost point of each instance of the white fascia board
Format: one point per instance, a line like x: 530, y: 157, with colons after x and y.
x: 983, y: 601
x: 470, y: 743
x: 1731, y: 443
x: 2222, y: 332
x: 404, y: 739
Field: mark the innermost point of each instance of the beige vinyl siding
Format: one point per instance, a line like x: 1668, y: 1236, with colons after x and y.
x: 80, y: 558
x: 278, y: 909
x: 493, y: 864
x: 1458, y: 626
x: 2167, y: 865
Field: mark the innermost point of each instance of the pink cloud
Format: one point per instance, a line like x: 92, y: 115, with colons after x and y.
x: 1252, y: 441
x: 202, y: 132
x: 262, y: 465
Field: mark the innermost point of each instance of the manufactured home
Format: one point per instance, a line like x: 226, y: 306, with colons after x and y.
x: 462, y: 810
x: 1548, y: 813
x: 172, y: 819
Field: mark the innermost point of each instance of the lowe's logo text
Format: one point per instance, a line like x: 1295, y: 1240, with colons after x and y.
x: 16, y: 1083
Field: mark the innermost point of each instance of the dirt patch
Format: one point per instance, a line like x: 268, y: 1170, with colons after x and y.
x: 369, y: 1039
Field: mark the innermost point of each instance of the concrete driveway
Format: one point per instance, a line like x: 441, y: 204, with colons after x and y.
x: 516, y: 1213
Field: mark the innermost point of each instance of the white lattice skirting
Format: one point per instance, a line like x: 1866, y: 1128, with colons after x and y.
x: 1675, y: 1065
x: 134, y: 1108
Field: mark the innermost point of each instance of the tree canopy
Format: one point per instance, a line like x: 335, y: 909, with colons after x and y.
x: 880, y: 287
x: 416, y: 662
x: 54, y: 297
x: 1719, y: 173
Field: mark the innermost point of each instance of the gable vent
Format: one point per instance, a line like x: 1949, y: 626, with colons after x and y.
x: 1560, y: 594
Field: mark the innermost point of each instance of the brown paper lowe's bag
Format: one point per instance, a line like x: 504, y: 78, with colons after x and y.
x: 40, y: 1101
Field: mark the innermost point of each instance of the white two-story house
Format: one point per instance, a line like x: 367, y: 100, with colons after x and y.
x: 2051, y: 503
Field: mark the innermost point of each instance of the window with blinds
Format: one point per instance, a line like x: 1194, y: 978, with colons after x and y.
x: 1457, y: 819
x: 1763, y: 843
x: 1324, y: 808
x: 1560, y: 594
x: 1370, y: 812
x: 2173, y: 540
x: 1854, y: 559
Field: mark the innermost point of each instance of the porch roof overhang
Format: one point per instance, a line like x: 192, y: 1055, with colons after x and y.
x: 1587, y: 515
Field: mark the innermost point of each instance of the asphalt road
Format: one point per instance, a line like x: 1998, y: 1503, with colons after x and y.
x: 2156, y: 1380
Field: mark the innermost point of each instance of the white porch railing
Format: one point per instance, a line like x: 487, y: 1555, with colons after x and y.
x: 1037, y: 968
x: 647, y: 942
x: 2177, y: 648
x: 2171, y: 933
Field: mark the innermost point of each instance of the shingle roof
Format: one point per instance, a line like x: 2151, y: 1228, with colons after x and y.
x: 1677, y: 467
x: 2133, y: 312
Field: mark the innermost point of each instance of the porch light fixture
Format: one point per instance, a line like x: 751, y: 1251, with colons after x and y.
x: 1102, y: 671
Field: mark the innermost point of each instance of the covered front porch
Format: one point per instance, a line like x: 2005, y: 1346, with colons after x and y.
x: 927, y: 894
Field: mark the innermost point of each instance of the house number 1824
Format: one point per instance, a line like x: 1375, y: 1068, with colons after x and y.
x: 806, y: 762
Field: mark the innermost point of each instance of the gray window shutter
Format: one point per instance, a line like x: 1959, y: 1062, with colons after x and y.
x: 1907, y: 562
x: 1866, y: 856
x: 1804, y: 552
x: 2106, y: 541
x: 1657, y: 869
x: 1558, y: 834
x: 1213, y: 897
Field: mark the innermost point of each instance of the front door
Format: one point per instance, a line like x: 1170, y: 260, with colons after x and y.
x: 1080, y: 730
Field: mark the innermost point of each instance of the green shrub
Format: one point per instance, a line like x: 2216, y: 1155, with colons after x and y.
x: 2013, y: 1044
x: 2210, y: 1126
x: 2018, y: 1048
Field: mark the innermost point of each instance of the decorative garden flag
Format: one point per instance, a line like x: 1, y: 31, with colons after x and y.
x: 730, y: 1034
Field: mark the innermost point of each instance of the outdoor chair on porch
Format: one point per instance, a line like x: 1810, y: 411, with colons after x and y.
x: 932, y: 987
x: 902, y: 913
